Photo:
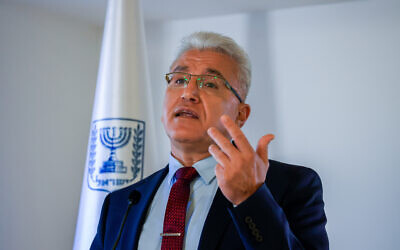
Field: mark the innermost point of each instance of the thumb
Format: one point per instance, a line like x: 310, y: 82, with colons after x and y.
x: 262, y: 146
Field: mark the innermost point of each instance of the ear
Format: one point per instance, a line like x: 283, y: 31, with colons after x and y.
x: 243, y: 113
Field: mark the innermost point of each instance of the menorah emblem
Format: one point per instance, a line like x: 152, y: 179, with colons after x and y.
x: 112, y: 141
x: 116, y: 153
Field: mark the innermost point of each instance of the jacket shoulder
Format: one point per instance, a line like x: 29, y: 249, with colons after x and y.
x: 283, y: 178
x: 280, y: 171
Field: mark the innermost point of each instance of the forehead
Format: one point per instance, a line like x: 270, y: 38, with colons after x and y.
x: 206, y: 62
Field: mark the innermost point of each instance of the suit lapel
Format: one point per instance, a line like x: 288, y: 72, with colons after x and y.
x: 137, y: 214
x: 216, y: 223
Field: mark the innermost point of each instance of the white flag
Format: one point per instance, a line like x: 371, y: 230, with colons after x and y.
x: 121, y: 140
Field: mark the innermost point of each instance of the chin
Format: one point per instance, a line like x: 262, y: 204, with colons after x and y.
x: 185, y: 130
x: 186, y: 126
x: 184, y: 136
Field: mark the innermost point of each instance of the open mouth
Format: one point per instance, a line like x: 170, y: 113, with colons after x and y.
x: 186, y: 113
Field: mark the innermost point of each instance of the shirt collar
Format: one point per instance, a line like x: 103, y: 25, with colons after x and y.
x: 204, y: 167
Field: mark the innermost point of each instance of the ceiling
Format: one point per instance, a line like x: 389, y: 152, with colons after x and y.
x: 94, y: 10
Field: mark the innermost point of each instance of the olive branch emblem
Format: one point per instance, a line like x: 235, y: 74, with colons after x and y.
x: 92, y: 150
x: 137, y: 156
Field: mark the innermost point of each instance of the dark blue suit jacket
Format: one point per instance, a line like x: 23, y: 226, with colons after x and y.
x: 286, y: 213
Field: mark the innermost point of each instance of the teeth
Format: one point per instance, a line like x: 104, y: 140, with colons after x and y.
x: 187, y: 114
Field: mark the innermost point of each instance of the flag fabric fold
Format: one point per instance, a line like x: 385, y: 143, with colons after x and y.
x: 121, y: 138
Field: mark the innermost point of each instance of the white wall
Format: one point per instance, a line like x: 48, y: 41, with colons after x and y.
x: 325, y: 81
x: 336, y: 72
x: 48, y: 68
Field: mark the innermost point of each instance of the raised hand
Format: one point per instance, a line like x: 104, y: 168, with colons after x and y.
x: 240, y: 170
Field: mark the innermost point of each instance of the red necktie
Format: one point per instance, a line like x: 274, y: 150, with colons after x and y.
x: 175, y: 214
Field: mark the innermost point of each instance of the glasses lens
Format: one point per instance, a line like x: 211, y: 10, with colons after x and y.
x: 208, y: 83
x: 177, y: 80
x: 211, y: 84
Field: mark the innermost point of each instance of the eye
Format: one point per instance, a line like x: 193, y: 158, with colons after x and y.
x: 210, y: 85
x: 180, y: 81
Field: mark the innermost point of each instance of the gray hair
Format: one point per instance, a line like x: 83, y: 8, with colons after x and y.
x: 223, y: 44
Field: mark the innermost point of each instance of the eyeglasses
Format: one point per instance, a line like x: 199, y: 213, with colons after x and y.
x: 210, y: 84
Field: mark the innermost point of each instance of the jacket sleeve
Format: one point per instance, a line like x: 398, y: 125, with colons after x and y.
x: 298, y: 222
x: 98, y: 241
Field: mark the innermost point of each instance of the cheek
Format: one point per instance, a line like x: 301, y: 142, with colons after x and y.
x: 231, y: 110
x: 171, y: 99
x: 216, y: 111
x: 166, y: 108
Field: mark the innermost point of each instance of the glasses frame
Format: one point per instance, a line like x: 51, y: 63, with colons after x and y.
x: 226, y: 83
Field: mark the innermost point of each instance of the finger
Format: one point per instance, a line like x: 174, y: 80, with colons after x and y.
x: 218, y: 155
x: 236, y: 133
x: 219, y: 173
x: 223, y: 143
x: 262, y: 147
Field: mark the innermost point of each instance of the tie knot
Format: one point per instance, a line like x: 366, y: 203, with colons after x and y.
x: 186, y: 174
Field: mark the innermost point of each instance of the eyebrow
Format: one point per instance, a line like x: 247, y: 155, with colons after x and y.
x: 180, y: 68
x: 210, y: 71
x: 214, y: 72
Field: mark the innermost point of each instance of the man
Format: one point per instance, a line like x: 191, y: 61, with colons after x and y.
x: 239, y: 199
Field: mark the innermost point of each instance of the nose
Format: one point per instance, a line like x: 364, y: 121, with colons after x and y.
x: 191, y: 91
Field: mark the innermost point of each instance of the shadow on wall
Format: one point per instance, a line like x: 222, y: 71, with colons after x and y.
x: 262, y: 91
